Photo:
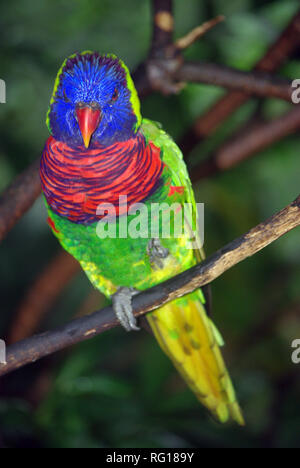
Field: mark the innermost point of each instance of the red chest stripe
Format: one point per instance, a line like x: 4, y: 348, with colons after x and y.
x: 75, y: 180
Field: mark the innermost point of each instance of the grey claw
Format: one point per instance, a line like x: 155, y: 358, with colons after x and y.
x: 156, y: 252
x: 121, y: 302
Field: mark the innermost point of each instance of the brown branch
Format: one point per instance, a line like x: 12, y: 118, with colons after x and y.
x: 163, y: 26
x: 18, y: 198
x: 206, y: 124
x: 36, y: 347
x: 42, y: 294
x: 257, y: 83
x: 167, y: 75
x: 162, y: 32
x: 246, y: 144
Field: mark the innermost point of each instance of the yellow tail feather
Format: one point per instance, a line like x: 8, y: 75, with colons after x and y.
x: 190, y: 339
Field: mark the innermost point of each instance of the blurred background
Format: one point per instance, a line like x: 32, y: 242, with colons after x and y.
x: 118, y: 389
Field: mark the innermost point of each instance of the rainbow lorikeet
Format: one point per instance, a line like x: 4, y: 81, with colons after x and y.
x: 102, y: 157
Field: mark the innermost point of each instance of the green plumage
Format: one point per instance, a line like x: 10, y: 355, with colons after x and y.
x: 95, y: 255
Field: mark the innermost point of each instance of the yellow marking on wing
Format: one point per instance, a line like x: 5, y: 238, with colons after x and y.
x: 98, y: 281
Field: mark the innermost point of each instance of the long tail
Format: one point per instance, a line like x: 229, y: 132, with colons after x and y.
x: 190, y: 339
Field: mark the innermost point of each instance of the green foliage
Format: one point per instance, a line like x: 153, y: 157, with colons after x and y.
x: 119, y: 390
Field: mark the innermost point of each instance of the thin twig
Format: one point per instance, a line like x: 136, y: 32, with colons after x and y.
x: 195, y: 34
x: 36, y: 347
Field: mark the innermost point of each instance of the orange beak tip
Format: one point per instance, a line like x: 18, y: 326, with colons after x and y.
x: 86, y: 140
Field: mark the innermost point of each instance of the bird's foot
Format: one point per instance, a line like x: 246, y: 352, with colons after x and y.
x: 121, y: 302
x: 156, y: 252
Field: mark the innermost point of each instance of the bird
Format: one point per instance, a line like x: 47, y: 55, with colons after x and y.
x: 109, y: 179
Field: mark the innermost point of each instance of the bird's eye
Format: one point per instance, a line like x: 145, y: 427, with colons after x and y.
x: 115, y: 95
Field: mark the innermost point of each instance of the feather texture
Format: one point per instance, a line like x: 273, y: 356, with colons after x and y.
x: 186, y: 334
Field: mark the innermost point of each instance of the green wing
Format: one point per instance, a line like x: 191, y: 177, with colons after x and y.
x: 173, y: 158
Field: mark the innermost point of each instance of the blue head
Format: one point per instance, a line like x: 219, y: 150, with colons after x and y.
x: 94, y: 101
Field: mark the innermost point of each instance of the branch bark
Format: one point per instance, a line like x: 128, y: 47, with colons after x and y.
x: 36, y: 347
x: 18, y: 198
x: 248, y: 143
x: 163, y: 26
x: 257, y: 83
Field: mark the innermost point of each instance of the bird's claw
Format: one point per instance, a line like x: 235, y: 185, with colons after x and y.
x: 156, y: 252
x: 121, y: 302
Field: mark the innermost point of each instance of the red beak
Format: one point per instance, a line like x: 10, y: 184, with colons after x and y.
x: 88, y: 121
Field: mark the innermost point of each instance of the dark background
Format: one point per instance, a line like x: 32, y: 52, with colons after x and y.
x: 119, y: 390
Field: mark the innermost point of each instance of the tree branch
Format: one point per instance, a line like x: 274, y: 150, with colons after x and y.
x: 250, y: 141
x: 162, y: 33
x: 36, y: 347
x: 163, y: 26
x: 205, y: 124
x: 18, y: 198
x: 258, y: 83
